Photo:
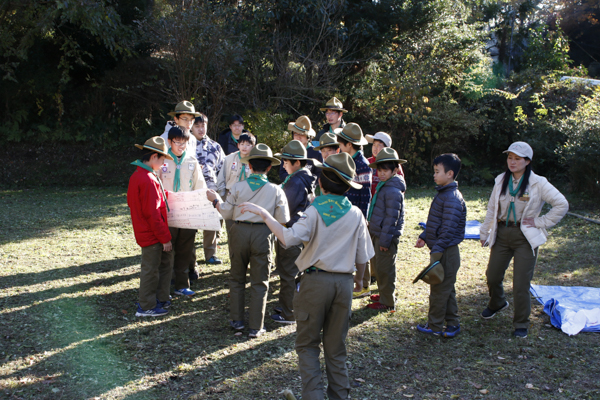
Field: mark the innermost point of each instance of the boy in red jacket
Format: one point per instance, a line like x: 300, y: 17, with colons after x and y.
x: 148, y: 205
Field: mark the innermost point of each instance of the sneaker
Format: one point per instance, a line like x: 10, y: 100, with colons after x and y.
x: 254, y: 333
x: 155, y: 312
x: 237, y: 325
x: 163, y: 304
x: 451, y: 331
x: 214, y: 260
x: 279, y: 318
x: 364, y: 292
x: 193, y: 275
x: 278, y: 309
x: 520, y: 333
x: 378, y: 306
x: 184, y: 292
x: 374, y: 297
x: 425, y: 329
x: 489, y: 313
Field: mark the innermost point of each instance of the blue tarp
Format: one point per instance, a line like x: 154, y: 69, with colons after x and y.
x: 471, y: 229
x: 572, y: 309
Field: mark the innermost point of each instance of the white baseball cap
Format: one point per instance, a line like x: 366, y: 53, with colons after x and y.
x: 521, y: 149
x: 382, y: 136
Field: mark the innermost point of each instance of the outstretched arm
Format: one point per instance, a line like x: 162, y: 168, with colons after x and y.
x: 271, y: 222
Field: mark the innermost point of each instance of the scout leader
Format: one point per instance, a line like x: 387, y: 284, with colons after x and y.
x: 335, y: 238
x: 252, y: 238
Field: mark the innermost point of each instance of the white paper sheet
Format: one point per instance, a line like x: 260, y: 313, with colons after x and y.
x: 192, y: 210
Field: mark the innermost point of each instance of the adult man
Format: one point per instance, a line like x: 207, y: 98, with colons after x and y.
x: 210, y: 156
x: 229, y: 137
x: 183, y: 116
x: 334, y: 111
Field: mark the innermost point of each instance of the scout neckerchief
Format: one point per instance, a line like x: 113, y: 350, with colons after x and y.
x: 332, y: 207
x: 147, y: 168
x: 256, y: 181
x: 177, y: 161
x: 287, y: 178
x: 355, y: 155
x: 374, y: 199
x: 234, y: 139
x: 242, y: 176
x: 511, y: 206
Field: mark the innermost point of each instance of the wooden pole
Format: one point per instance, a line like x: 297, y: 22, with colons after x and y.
x: 586, y: 218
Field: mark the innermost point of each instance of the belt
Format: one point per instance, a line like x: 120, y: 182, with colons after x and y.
x: 249, y: 223
x: 510, y: 224
x: 313, y: 269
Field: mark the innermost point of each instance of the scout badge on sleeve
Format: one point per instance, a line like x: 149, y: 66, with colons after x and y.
x: 431, y: 274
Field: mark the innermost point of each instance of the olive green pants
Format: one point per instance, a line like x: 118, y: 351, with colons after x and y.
x: 285, y: 261
x: 155, y: 276
x: 250, y: 245
x: 183, y: 255
x: 442, y: 297
x: 323, y: 304
x: 511, y: 244
x: 384, y: 265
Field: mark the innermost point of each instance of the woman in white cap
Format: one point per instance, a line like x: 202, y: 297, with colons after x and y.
x: 513, y: 228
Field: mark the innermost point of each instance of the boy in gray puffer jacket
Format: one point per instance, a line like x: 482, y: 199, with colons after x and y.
x: 386, y: 222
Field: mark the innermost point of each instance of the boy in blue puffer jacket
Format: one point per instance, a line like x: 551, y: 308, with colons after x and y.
x: 386, y: 222
x: 445, y: 230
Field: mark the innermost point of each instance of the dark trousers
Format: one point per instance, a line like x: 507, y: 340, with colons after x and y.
x: 384, y: 264
x: 442, y: 297
x: 183, y: 255
x: 511, y: 243
x: 250, y: 245
x: 155, y: 276
x: 285, y: 261
x: 323, y: 304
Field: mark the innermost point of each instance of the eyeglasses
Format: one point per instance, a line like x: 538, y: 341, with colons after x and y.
x: 186, y: 119
x: 178, y: 143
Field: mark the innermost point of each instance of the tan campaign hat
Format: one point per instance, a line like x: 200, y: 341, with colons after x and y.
x: 294, y: 150
x: 431, y: 274
x: 334, y: 104
x: 156, y: 144
x: 261, y: 151
x: 328, y: 139
x: 343, y: 166
x: 185, y: 107
x: 302, y: 126
x: 386, y: 154
x: 353, y: 134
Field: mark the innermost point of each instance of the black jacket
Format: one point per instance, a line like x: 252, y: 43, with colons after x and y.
x: 446, y: 220
x: 325, y: 128
x: 387, y: 218
x: 225, y: 139
x: 297, y: 189
x: 310, y: 153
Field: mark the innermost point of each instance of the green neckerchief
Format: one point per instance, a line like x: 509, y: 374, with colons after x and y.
x: 287, y: 178
x: 374, y: 199
x: 242, y: 176
x: 355, y: 154
x: 234, y: 139
x: 332, y: 207
x: 176, y: 180
x: 147, y: 168
x: 513, y: 193
x: 256, y: 181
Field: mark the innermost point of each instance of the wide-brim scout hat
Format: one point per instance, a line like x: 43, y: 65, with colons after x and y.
x: 185, y: 107
x: 431, y: 274
x: 353, y: 134
x: 328, y: 139
x: 334, y: 104
x: 381, y: 136
x: 156, y: 144
x: 522, y: 149
x: 343, y: 166
x: 302, y: 126
x: 263, y: 152
x: 386, y: 154
x: 294, y: 150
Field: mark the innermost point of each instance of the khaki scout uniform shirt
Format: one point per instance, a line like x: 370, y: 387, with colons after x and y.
x: 270, y: 197
x: 229, y: 175
x: 190, y: 174
x: 504, y: 202
x: 333, y: 248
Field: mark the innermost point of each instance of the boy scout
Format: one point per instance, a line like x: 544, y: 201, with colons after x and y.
x: 251, y: 236
x: 335, y: 238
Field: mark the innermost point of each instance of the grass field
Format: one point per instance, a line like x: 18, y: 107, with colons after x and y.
x: 69, y: 271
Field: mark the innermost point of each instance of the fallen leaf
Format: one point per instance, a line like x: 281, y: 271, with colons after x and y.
x: 484, y: 391
x: 529, y: 386
x: 501, y: 358
x: 360, y: 380
x: 407, y: 395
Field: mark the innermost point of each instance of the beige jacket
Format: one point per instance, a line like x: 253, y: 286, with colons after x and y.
x: 229, y: 175
x: 190, y: 175
x: 540, y: 191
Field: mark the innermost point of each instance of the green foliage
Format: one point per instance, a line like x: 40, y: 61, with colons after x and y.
x: 581, y: 150
x: 548, y: 50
